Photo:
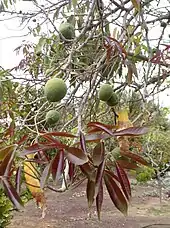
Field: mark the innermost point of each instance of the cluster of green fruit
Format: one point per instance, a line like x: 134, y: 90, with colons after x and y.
x: 106, y: 94
x: 55, y: 90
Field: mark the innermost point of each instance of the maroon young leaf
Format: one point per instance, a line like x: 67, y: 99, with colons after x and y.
x: 87, y: 170
x: 90, y: 192
x: 112, y: 175
x: 99, y: 177
x: 71, y: 171
x: 116, y: 194
x: 39, y: 147
x: 76, y: 156
x: 57, y: 165
x: 12, y: 193
x: 96, y: 137
x: 96, y: 129
x: 23, y: 139
x: 99, y: 200
x: 126, y: 164
x: 124, y: 182
x: 101, y: 126
x: 83, y: 142
x: 98, y: 154
x: 18, y: 179
x: 6, y: 164
x: 135, y: 157
x: 62, y: 134
x: 132, y: 131
x: 45, y: 175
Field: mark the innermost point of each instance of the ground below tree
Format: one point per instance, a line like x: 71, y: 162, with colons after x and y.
x: 70, y: 209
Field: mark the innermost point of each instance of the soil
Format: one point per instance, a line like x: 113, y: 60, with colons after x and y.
x: 69, y: 209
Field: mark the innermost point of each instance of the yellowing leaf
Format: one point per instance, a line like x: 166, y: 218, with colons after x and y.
x: 123, y: 120
x: 33, y: 183
x: 136, y: 4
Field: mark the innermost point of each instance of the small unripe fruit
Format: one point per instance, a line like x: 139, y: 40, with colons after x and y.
x: 105, y: 92
x: 52, y: 117
x: 67, y: 30
x: 113, y: 100
x: 55, y: 89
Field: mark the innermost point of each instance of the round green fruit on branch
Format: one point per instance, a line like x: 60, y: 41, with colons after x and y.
x: 55, y: 89
x: 67, y: 30
x: 105, y: 92
x: 113, y: 100
x: 52, y: 117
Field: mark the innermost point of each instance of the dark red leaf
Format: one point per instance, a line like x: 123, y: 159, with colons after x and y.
x: 132, y: 131
x: 12, y: 193
x: 90, y: 191
x: 57, y: 165
x: 112, y: 174
x: 76, y: 156
x: 18, y: 179
x: 135, y: 157
x: 124, y: 181
x: 62, y: 134
x: 23, y: 139
x: 45, y: 175
x: 96, y: 137
x: 99, y: 177
x: 98, y: 154
x: 87, y: 170
x: 99, y: 200
x: 96, y: 129
x: 116, y: 194
x: 39, y: 147
x: 71, y: 171
x: 83, y: 142
x: 126, y: 164
x: 100, y: 126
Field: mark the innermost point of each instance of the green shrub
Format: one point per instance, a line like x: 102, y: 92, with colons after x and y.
x: 145, y: 174
x: 5, y: 209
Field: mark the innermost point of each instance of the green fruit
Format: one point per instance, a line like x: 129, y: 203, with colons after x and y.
x: 105, y: 92
x: 52, y: 117
x: 55, y: 89
x: 67, y: 30
x: 113, y: 100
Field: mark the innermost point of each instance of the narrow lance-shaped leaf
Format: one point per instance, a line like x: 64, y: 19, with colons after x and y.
x: 18, y: 179
x: 124, y: 182
x: 45, y: 175
x: 135, y: 157
x: 99, y: 200
x: 98, y: 154
x: 99, y: 177
x: 101, y: 126
x: 71, y: 171
x: 90, y: 191
x: 62, y: 134
x: 83, y: 142
x: 116, y: 194
x: 57, y: 165
x: 12, y: 193
x: 132, y: 131
x: 86, y: 169
x: 76, y: 156
x: 126, y: 164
